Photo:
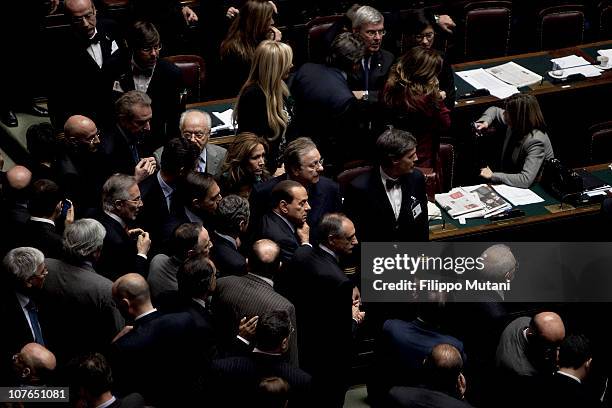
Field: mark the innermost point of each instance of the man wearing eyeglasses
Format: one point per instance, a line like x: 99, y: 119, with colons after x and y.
x: 160, y: 79
x: 195, y: 126
x: 86, y: 64
x: 370, y: 78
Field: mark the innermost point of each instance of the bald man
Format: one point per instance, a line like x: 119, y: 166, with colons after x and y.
x: 33, y: 365
x: 528, y: 346
x: 16, y: 193
x: 444, y: 382
x: 84, y: 65
x: 80, y: 168
x: 158, y: 356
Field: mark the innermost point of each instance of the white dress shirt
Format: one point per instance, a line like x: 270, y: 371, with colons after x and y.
x: 394, y: 194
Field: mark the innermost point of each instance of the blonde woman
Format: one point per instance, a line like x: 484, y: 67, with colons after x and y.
x: 263, y: 107
x: 253, y: 25
x: 244, y: 165
x: 412, y: 97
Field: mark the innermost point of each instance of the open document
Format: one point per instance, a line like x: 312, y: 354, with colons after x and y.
x: 226, y: 118
x: 517, y: 196
x: 514, y: 74
x: 479, y: 78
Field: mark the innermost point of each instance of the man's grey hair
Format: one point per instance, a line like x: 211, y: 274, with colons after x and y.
x: 124, y: 105
x: 393, y: 144
x: 83, y: 238
x: 295, y: 150
x: 184, y: 115
x: 498, y: 260
x: 331, y: 226
x: 367, y: 15
x: 116, y: 188
x: 231, y: 212
x: 23, y: 262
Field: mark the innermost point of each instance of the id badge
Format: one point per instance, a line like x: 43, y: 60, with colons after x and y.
x: 416, y: 208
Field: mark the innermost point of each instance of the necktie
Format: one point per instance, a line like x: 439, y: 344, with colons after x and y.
x: 95, y: 39
x: 392, y: 183
x: 201, y: 165
x: 135, y: 154
x: 366, y: 73
x: 33, y: 314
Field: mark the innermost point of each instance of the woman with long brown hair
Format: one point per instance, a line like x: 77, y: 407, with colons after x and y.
x: 244, y: 165
x: 412, y: 96
x: 253, y: 25
x: 526, y: 145
x: 263, y: 105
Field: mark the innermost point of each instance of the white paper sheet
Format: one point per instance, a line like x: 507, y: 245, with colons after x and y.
x: 479, y: 78
x: 514, y: 74
x: 573, y: 64
x: 226, y: 118
x: 517, y: 196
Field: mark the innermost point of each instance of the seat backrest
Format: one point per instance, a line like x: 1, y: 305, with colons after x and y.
x: 600, y: 136
x: 605, y: 20
x: 561, y: 26
x: 193, y: 71
x: 316, y: 29
x: 345, y: 177
x: 487, y: 29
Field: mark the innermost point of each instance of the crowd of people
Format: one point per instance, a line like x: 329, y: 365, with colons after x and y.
x: 144, y: 265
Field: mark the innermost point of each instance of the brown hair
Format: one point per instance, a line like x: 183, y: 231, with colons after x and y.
x: 237, y: 158
x: 415, y: 75
x: 248, y: 29
x: 524, y: 113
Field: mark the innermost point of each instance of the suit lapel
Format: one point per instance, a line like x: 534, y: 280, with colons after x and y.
x: 380, y: 191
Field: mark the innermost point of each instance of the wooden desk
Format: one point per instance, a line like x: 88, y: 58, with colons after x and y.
x: 544, y: 225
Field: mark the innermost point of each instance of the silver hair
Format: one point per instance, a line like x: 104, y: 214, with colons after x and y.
x: 184, y: 115
x: 232, y: 210
x: 82, y: 238
x: 116, y: 188
x: 498, y: 260
x: 23, y: 262
x: 367, y: 15
x: 124, y: 105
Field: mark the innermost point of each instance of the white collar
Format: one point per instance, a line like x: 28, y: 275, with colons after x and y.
x: 385, y: 176
x: 46, y: 220
x: 192, y: 216
x: 569, y: 375
x: 256, y: 350
x: 286, y: 221
x: 227, y: 237
x: 107, y: 403
x: 23, y: 299
x: 116, y: 218
x: 329, y: 251
x: 166, y: 188
x: 200, y: 302
x: 145, y: 313
x: 263, y: 278
x: 95, y: 32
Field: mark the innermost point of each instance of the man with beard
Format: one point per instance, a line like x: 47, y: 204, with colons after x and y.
x: 125, y: 250
x: 126, y: 146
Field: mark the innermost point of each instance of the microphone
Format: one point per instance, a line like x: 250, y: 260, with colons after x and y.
x: 475, y: 94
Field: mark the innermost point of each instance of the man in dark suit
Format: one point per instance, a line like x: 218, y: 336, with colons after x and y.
x: 158, y: 78
x: 91, y: 381
x: 322, y: 295
x: 253, y: 294
x: 24, y: 277
x: 238, y: 377
x: 286, y: 223
x: 232, y: 221
x: 444, y: 383
x: 127, y: 146
x: 157, y: 356
x: 389, y: 202
x: 14, y: 203
x: 86, y: 63
x: 195, y: 125
x: 76, y: 302
x: 369, y: 25
x: 125, y: 250
x: 45, y: 208
x: 159, y: 191
x: 303, y: 163
x: 79, y: 166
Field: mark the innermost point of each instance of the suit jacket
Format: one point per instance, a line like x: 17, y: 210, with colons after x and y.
x: 526, y: 154
x: 119, y: 254
x: 248, y: 295
x: 367, y: 205
x: 324, y: 197
x: 227, y: 258
x: 164, y: 89
x: 380, y: 64
x: 81, y: 176
x: 564, y: 392
x: 154, y: 213
x: 414, y: 397
x: 236, y: 379
x: 158, y: 359
x: 44, y: 236
x: 116, y: 151
x: 215, y: 157
x: 275, y: 228
x: 322, y: 296
x: 79, y: 310
x: 79, y: 85
x: 133, y: 400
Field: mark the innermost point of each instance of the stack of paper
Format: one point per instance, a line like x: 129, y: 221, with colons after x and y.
x: 226, y: 118
x: 479, y: 78
x: 573, y: 64
x: 514, y: 74
x: 517, y: 196
x: 493, y: 203
x: 460, y: 203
